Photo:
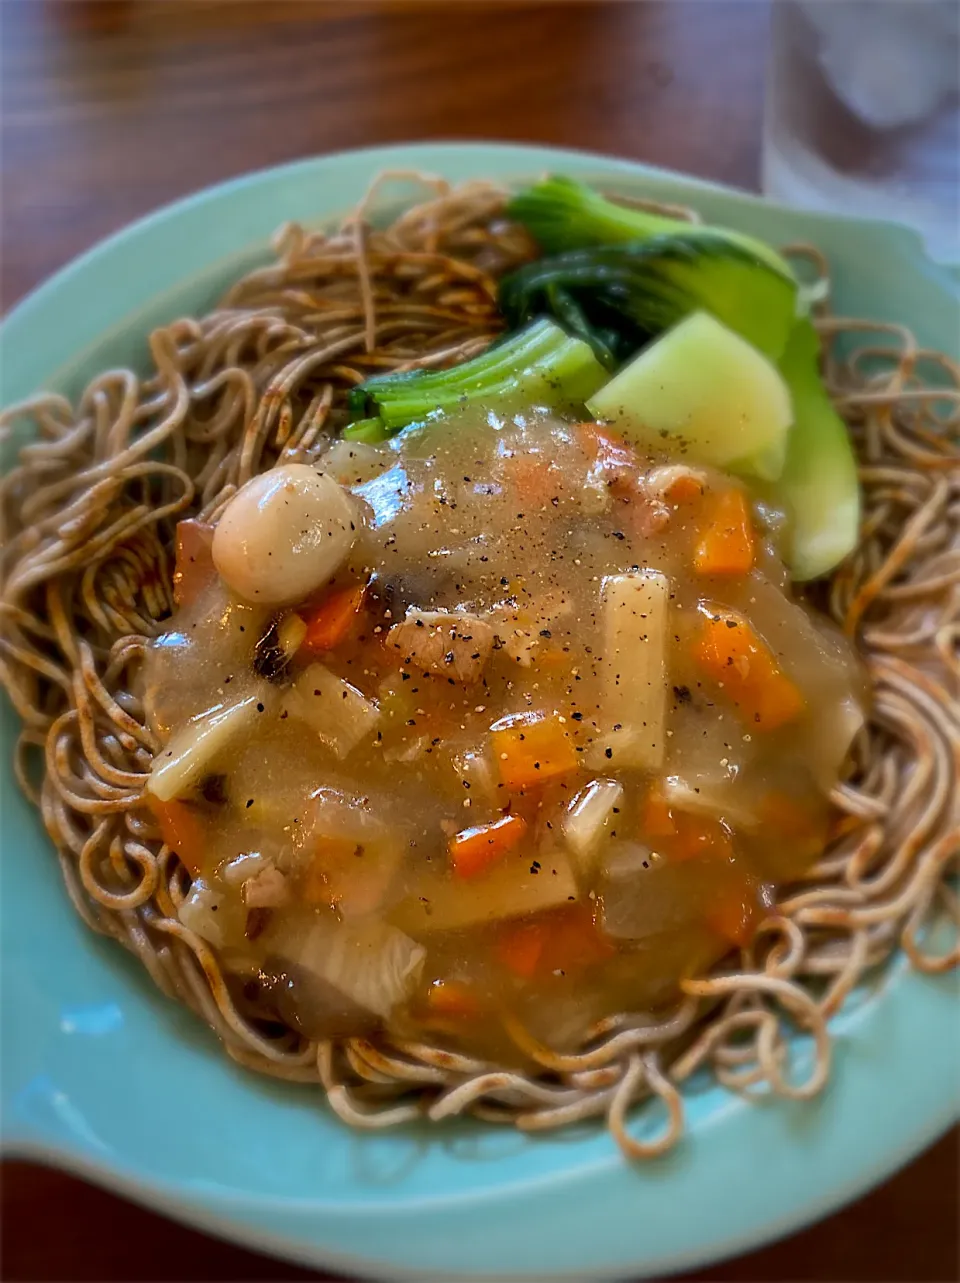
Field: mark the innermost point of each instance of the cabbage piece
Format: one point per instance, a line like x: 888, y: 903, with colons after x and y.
x: 370, y: 962
x: 352, y: 463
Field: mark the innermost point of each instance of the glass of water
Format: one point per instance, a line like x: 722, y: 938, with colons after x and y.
x: 863, y: 111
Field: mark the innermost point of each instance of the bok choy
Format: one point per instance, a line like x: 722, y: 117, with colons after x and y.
x: 616, y: 297
x: 561, y: 214
x: 538, y: 365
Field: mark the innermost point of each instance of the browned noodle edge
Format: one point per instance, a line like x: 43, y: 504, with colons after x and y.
x: 87, y: 522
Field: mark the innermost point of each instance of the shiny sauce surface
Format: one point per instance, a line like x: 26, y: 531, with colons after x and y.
x: 542, y: 746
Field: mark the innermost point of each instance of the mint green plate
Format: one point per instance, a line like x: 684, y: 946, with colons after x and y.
x: 102, y: 1075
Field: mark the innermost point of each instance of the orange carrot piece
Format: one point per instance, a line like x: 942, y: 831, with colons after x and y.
x: 330, y: 623
x: 531, y: 749
x: 181, y: 829
x: 612, y: 450
x: 727, y: 545
x: 194, y: 569
x: 562, y: 940
x: 656, y: 817
x: 697, y: 836
x: 552, y: 659
x: 534, y: 479
x: 473, y: 851
x: 575, y: 940
x: 730, y: 652
x: 803, y: 824
x: 519, y: 948
x: 332, y: 870
x: 454, y: 999
x: 734, y: 917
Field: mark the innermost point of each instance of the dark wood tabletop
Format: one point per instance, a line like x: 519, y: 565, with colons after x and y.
x: 112, y: 107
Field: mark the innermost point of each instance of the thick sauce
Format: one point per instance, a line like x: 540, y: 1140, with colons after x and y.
x: 539, y: 747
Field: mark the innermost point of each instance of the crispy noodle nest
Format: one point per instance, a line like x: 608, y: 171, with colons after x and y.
x: 89, y: 515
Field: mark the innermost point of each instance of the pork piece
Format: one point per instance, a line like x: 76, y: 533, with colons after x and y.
x: 267, y: 889
x: 520, y: 629
x: 440, y: 641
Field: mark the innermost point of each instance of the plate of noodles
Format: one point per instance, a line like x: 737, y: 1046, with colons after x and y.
x: 481, y: 759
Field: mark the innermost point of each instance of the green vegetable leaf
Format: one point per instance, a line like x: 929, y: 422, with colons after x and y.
x: 819, y: 486
x: 539, y: 365
x: 617, y: 297
x: 562, y: 214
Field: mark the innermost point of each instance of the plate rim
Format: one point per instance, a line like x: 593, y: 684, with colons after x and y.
x: 216, y: 1219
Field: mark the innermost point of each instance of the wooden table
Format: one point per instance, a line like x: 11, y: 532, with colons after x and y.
x: 112, y: 108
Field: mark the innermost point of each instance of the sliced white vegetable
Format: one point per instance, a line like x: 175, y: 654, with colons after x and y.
x: 284, y: 534
x: 202, y: 913
x: 190, y: 752
x: 633, y: 697
x: 588, y: 820
x: 703, y: 390
x: 844, y: 722
x: 370, y: 963
x: 519, y: 884
x: 337, y: 711
x: 339, y: 814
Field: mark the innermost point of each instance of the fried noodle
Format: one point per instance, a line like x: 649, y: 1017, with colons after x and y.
x: 89, y: 513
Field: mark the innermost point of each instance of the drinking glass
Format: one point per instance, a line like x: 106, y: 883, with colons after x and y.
x: 863, y: 111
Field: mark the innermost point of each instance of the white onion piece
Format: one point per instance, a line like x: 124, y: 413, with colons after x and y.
x: 588, y: 818
x: 628, y: 860
x: 189, y: 753
x: 284, y: 534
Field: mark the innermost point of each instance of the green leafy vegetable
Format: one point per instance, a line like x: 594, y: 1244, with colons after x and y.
x: 370, y: 431
x: 819, y: 485
x: 562, y: 214
x: 616, y: 297
x: 538, y: 365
